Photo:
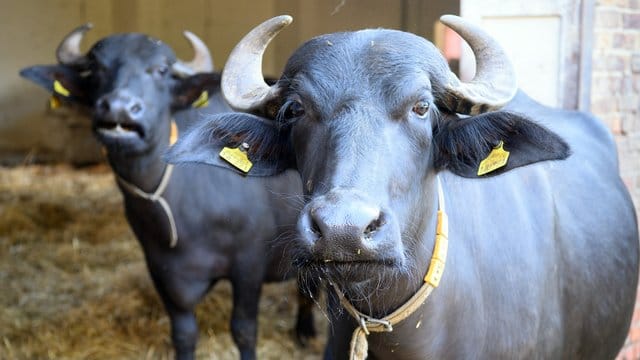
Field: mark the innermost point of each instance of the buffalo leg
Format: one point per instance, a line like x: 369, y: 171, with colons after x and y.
x: 184, y: 333
x: 244, y: 318
x: 184, y: 327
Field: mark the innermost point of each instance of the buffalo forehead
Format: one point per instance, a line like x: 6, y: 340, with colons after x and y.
x: 377, y: 65
x: 120, y: 48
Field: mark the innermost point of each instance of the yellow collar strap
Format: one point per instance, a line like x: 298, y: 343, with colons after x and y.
x: 174, y: 133
x: 359, y: 344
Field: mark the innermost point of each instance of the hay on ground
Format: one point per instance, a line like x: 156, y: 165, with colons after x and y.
x: 73, y: 284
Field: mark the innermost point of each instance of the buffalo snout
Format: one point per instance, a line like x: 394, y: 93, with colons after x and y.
x: 120, y: 106
x: 345, y: 226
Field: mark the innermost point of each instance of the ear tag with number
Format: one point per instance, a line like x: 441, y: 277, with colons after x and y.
x: 60, y: 89
x: 174, y: 133
x: 497, y: 158
x: 237, y: 157
x: 54, y: 102
x: 202, y: 100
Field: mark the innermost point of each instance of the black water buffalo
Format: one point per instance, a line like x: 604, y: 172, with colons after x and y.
x: 541, y: 251
x: 195, y: 224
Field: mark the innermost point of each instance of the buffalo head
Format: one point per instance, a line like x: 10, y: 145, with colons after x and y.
x: 368, y: 118
x: 130, y: 82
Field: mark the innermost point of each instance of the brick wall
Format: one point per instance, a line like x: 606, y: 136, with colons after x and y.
x: 615, y: 98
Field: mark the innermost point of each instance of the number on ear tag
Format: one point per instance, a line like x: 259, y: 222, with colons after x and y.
x: 236, y: 157
x: 60, y: 89
x: 497, y: 158
x: 202, y: 100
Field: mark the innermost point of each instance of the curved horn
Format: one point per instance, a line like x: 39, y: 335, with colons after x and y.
x: 242, y: 83
x: 495, y: 81
x: 68, y: 52
x: 202, y: 61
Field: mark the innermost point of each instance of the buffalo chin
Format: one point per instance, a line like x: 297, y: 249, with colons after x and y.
x: 351, y: 272
x: 121, y: 139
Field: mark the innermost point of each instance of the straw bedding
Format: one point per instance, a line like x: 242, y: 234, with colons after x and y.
x: 73, y: 283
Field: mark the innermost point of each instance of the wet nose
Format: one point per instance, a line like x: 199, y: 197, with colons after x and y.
x: 119, y: 104
x: 342, y: 225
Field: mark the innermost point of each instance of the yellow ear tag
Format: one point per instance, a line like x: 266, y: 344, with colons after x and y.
x: 58, y: 88
x: 497, y: 158
x: 174, y: 133
x: 202, y: 100
x: 54, y: 102
x: 237, y: 157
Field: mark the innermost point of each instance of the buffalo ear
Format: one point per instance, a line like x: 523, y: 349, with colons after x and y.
x: 62, y: 81
x: 268, y: 150
x: 190, y: 91
x: 461, y: 144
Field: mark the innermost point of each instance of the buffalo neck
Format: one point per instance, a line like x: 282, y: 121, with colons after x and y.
x: 143, y: 170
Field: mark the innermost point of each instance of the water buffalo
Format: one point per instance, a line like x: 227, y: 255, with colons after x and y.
x: 541, y: 251
x: 196, y: 224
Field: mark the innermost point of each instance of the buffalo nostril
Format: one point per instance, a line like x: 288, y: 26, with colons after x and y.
x: 103, y: 106
x: 315, y: 228
x: 135, y: 108
x: 374, y: 225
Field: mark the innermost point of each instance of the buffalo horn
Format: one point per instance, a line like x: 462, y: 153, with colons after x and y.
x: 242, y: 83
x: 495, y: 81
x: 68, y: 51
x: 202, y: 61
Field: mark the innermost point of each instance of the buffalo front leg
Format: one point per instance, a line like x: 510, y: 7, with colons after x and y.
x: 179, y: 302
x: 184, y: 333
x: 244, y: 318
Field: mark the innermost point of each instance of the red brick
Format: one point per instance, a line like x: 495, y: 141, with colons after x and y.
x: 627, y: 85
x: 628, y: 103
x: 609, y: 63
x: 631, y: 124
x: 631, y: 21
x: 635, y: 63
x: 603, y: 105
x: 624, y: 40
x: 622, y: 3
x: 606, y: 85
x: 608, y: 18
x: 636, y: 83
x: 603, y: 40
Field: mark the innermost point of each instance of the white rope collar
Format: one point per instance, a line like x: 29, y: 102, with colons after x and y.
x: 156, y: 196
x: 367, y: 324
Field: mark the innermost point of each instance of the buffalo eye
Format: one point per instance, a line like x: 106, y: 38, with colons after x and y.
x: 291, y: 110
x: 421, y: 108
x: 159, y: 71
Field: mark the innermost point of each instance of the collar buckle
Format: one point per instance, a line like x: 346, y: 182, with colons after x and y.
x: 367, y: 322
